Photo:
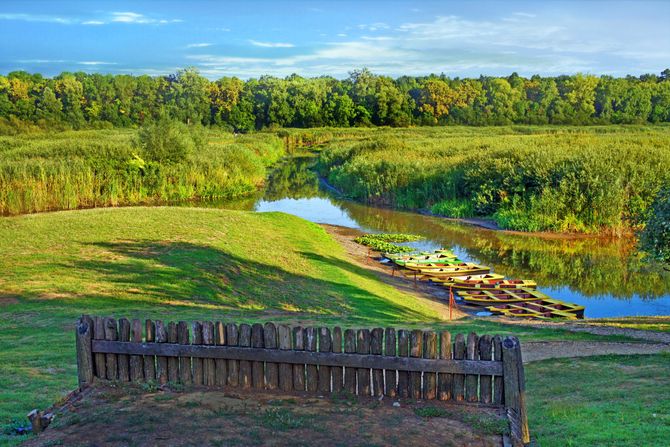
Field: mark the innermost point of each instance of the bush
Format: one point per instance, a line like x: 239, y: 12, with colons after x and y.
x: 170, y: 142
x: 655, y: 238
x: 457, y: 208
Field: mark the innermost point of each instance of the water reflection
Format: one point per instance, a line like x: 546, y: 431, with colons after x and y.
x: 607, y: 276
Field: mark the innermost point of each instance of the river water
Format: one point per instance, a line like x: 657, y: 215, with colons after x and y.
x: 607, y: 276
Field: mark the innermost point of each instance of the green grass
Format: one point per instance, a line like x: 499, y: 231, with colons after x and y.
x: 179, y: 263
x: 600, y: 401
x: 563, y: 179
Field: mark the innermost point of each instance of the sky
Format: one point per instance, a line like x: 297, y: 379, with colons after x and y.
x: 312, y: 38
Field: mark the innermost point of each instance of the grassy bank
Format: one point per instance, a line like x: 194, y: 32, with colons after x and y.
x: 68, y: 170
x: 577, y: 179
x: 178, y: 263
x: 600, y: 401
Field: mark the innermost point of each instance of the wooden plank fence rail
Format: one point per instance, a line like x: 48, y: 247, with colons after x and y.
x: 429, y: 365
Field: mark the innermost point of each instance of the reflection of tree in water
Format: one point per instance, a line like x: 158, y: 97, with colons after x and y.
x: 293, y: 179
x: 590, y: 266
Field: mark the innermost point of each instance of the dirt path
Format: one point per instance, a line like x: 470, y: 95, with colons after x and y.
x: 542, y: 350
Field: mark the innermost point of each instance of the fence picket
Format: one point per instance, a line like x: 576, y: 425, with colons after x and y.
x: 184, y: 362
x: 111, y: 334
x: 390, y: 374
x: 376, y: 348
x: 136, y: 363
x: 271, y: 369
x: 197, y: 362
x: 207, y: 364
x: 244, y: 341
x: 99, y: 359
x: 416, y: 350
x: 325, y: 345
x: 485, y: 381
x: 429, y: 352
x: 149, y: 360
x: 445, y: 381
x: 299, y: 368
x: 257, y: 368
x: 285, y: 369
x: 173, y: 362
x: 498, y: 380
x: 312, y: 382
x: 161, y: 361
x: 459, y: 379
x: 363, y: 374
x: 337, y: 372
x: 403, y: 351
x: 233, y: 365
x: 123, y: 360
x: 220, y: 365
x: 472, y: 380
x: 350, y: 373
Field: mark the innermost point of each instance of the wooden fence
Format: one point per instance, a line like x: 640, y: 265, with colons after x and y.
x: 415, y: 364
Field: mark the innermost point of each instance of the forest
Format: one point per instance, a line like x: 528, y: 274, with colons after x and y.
x: 82, y: 100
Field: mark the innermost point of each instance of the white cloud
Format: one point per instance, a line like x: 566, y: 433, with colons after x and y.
x: 93, y: 63
x: 136, y: 18
x: 271, y: 44
x: 93, y: 22
x: 37, y: 18
x: 199, y: 45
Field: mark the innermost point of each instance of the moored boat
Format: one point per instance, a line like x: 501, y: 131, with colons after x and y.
x: 455, y: 270
x: 476, y: 284
x: 539, y: 309
x: 447, y: 281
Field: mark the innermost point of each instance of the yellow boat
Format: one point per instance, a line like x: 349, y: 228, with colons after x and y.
x: 455, y: 270
x: 481, y: 284
x: 486, y: 297
x: 449, y: 280
x: 535, y: 309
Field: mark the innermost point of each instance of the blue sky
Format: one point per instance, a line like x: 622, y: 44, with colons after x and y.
x: 311, y: 38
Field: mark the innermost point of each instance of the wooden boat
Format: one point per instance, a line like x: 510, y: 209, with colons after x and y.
x: 475, y: 284
x: 541, y: 310
x: 440, y: 264
x: 447, y: 281
x: 465, y: 268
x: 486, y: 297
x: 427, y: 259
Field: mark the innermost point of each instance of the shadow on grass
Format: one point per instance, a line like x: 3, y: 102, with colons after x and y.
x: 180, y: 273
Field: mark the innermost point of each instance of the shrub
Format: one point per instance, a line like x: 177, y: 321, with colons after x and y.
x: 655, y: 238
x: 457, y: 208
x: 170, y: 142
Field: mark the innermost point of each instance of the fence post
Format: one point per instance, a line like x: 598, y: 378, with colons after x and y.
x: 84, y: 335
x: 515, y: 390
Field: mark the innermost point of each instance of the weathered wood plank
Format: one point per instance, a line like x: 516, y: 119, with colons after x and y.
x: 390, y: 374
x: 349, y: 372
x: 220, y: 365
x: 196, y: 362
x: 124, y: 360
x: 515, y: 387
x: 209, y: 369
x: 111, y: 334
x: 337, y: 372
x: 459, y: 379
x: 363, y: 374
x: 472, y: 380
x: 244, y: 341
x: 161, y: 361
x: 312, y: 382
x: 84, y: 336
x: 285, y: 369
x: 149, y: 360
x: 298, y: 368
x: 314, y: 358
x: 444, y: 380
x: 98, y: 358
x: 232, y: 336
x: 485, y: 390
x: 325, y: 345
x: 136, y: 362
x: 173, y: 362
x: 497, y: 380
x: 415, y: 350
x: 271, y: 368
x: 403, y: 351
x: 185, y: 359
x: 257, y: 368
x: 429, y: 352
x: 376, y: 348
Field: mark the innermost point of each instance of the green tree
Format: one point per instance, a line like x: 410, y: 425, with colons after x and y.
x: 655, y: 238
x: 167, y: 141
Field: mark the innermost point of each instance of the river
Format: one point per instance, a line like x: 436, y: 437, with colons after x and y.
x: 607, y: 276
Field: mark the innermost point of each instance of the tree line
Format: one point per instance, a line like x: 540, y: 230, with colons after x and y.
x: 80, y: 100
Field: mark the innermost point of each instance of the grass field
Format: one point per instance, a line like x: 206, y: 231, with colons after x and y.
x: 528, y: 178
x: 600, y: 401
x: 179, y: 263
